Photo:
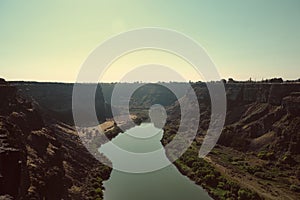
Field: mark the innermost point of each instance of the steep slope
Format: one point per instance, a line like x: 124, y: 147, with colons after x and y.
x: 41, y: 158
x: 264, y: 111
x: 55, y: 99
x: 258, y: 151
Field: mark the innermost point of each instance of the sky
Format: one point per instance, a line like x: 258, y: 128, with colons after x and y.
x: 49, y: 40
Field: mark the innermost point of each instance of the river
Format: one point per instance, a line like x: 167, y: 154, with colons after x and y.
x: 164, y: 184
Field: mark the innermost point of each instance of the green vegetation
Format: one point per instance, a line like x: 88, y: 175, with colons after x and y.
x: 204, y: 174
x: 265, y: 155
x: 93, y: 187
x: 246, y: 194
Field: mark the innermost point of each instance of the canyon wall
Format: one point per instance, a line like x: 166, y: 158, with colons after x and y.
x: 42, y: 158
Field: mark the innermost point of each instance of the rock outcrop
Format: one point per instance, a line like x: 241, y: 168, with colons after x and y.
x: 254, y: 110
x: 40, y: 158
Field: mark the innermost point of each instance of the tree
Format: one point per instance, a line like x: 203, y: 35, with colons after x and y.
x: 230, y: 80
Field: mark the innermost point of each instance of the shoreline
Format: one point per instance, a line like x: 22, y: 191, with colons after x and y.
x: 110, y: 130
x: 173, y: 163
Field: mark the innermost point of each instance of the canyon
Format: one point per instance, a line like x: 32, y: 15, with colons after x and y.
x: 257, y: 155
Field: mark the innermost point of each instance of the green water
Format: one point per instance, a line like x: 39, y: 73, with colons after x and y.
x: 164, y: 184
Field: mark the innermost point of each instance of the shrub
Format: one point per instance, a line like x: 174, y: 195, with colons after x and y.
x: 221, y: 185
x: 98, y: 191
x: 264, y: 155
x: 253, y: 169
x: 75, y: 190
x: 211, y: 180
x: 245, y: 194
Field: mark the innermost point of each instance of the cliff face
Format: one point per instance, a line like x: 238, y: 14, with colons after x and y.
x: 259, y: 92
x: 40, y: 160
x: 55, y: 99
x: 255, y: 110
x: 258, y: 148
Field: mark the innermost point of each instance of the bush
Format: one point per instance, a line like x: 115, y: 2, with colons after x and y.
x: 221, y: 194
x: 197, y: 165
x: 189, y: 162
x: 221, y: 185
x: 96, y: 184
x: 234, y: 187
x: 264, y: 155
x: 98, y: 191
x: 211, y: 180
x: 244, y: 194
x: 75, y: 190
x: 253, y: 169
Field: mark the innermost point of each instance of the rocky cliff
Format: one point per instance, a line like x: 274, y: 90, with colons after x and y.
x: 41, y: 158
x: 258, y: 151
x: 55, y: 99
x: 255, y: 110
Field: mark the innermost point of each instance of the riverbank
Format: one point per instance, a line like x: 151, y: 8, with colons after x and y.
x: 203, y: 173
x: 200, y: 171
x: 112, y: 131
x: 166, y: 183
x: 94, y: 182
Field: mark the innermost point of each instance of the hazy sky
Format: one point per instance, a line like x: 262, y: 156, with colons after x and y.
x: 49, y: 40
